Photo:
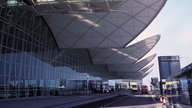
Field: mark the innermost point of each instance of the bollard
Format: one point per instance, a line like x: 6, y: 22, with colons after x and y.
x: 164, y: 103
x: 161, y: 100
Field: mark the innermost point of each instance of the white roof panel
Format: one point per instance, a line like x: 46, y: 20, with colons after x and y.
x: 128, y: 55
x: 132, y: 67
x: 96, y: 24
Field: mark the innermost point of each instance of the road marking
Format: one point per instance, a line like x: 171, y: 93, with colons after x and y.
x: 152, y: 96
x: 114, y: 101
x: 178, y: 106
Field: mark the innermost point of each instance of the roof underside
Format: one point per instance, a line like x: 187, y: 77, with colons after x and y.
x: 123, y: 62
x: 129, y: 68
x: 127, y: 55
x: 104, y: 27
x: 96, y: 23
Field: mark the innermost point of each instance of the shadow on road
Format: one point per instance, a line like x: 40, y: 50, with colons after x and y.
x: 121, y: 101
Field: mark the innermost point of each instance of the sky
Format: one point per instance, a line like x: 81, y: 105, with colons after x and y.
x: 174, y: 24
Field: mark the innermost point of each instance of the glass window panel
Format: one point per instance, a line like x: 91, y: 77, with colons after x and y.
x: 5, y: 40
x: 2, y: 63
x: 164, y: 70
x: 1, y: 38
x: 1, y: 25
x: 174, y: 67
x: 19, y: 47
x: 8, y: 50
x: 22, y: 72
x: 10, y: 41
x: 12, y: 71
x: 1, y: 82
x: 12, y: 30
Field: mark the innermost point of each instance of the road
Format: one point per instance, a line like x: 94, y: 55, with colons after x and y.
x: 134, y: 101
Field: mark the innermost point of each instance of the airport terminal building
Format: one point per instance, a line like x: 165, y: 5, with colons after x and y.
x: 62, y: 47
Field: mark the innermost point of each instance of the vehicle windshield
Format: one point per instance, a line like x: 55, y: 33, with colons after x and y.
x: 144, y: 86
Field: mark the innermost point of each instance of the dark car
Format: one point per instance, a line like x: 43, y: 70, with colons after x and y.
x: 144, y: 89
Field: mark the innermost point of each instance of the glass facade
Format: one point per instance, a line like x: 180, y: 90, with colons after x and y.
x: 168, y: 66
x: 31, y: 64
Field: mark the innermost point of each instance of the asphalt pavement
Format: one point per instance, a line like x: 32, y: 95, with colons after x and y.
x: 54, y: 101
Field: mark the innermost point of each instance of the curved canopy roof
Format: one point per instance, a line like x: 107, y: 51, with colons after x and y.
x: 123, y: 74
x: 133, y: 67
x: 104, y: 27
x: 128, y: 55
x: 96, y: 23
x: 145, y: 74
x: 135, y: 75
x: 146, y: 69
x: 121, y: 68
x: 132, y: 73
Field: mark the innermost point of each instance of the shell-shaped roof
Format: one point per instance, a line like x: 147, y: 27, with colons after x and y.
x: 112, y: 24
x: 105, y: 28
x: 136, y: 76
x: 135, y: 73
x: 128, y: 55
x: 132, y: 67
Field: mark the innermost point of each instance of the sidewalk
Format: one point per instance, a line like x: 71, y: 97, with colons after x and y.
x: 185, y: 106
x: 179, y: 106
x: 173, y: 102
x: 54, y: 101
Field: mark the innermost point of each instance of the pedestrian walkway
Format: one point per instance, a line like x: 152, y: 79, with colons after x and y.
x: 185, y: 106
x: 179, y: 105
x: 54, y: 101
x: 172, y: 101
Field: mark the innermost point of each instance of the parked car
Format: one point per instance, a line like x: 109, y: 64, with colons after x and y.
x: 144, y: 89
